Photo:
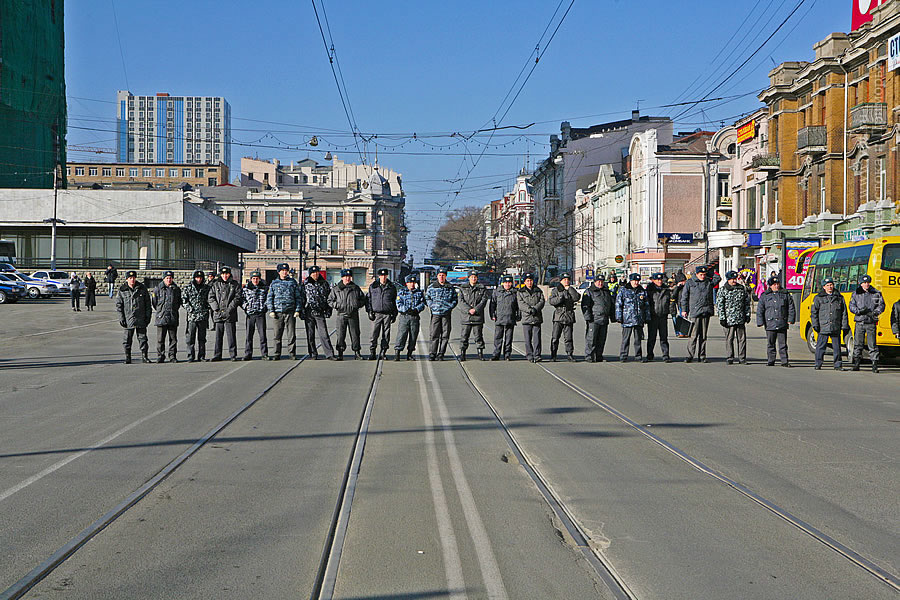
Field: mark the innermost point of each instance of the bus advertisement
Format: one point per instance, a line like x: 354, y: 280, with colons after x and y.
x: 793, y: 277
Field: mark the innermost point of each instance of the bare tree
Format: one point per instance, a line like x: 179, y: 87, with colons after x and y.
x: 550, y: 232
x: 462, y: 236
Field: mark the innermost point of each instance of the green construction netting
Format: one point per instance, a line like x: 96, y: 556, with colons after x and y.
x: 32, y: 92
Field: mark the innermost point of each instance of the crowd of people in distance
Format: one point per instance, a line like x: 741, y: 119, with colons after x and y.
x: 212, y: 301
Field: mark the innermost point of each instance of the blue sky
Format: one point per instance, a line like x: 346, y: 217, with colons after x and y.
x: 429, y: 67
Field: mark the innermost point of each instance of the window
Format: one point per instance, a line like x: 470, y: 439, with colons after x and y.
x: 323, y: 242
x: 132, y: 172
x: 752, y: 222
x: 890, y: 258
x: 254, y: 216
x: 160, y: 172
x: 359, y: 218
x: 199, y: 173
x: 312, y: 242
x: 79, y: 170
x: 92, y: 171
x: 186, y: 172
x: 315, y: 179
x: 339, y: 218
x: 359, y: 242
x: 882, y: 179
x: 107, y: 171
x: 120, y: 172
x: 295, y: 242
x: 329, y: 218
x: 173, y: 172
x: 147, y: 172
x: 334, y: 243
x: 68, y: 170
x: 821, y: 193
x: 319, y: 216
x: 295, y: 217
x: 274, y: 217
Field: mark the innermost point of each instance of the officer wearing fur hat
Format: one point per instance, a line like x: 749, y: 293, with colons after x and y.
x: 698, y: 306
x: 346, y: 298
x: 285, y: 301
x: 473, y: 299
x: 563, y: 298
x: 828, y: 317
x: 531, y: 305
x: 134, y: 310
x: 504, y: 311
x: 733, y: 306
x: 196, y: 304
x: 255, y: 306
x: 867, y: 304
x: 381, y: 304
x: 410, y: 302
x: 224, y: 299
x: 775, y: 311
x: 166, y: 302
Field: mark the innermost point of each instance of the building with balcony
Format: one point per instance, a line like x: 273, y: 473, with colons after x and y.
x: 601, y: 217
x: 265, y: 174
x: 360, y: 227
x: 510, y: 217
x: 146, y: 176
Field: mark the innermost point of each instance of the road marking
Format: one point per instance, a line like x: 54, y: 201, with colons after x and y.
x: 67, y: 328
x: 58, y: 465
x: 449, y: 547
x: 486, y: 559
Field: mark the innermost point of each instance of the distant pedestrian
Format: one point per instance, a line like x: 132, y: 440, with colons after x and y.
x: 317, y: 310
x: 346, y: 298
x: 733, y: 306
x: 381, y: 304
x: 598, y: 309
x: 110, y: 276
x: 659, y: 298
x: 254, y: 293
x: 224, y: 299
x: 473, y: 299
x: 828, y: 317
x: 632, y: 311
x: 698, y: 306
x: 563, y: 299
x: 75, y: 291
x: 531, y: 304
x: 776, y: 311
x: 196, y: 304
x: 410, y: 303
x: 90, y: 291
x: 286, y: 302
x: 504, y: 311
x: 134, y: 310
x: 441, y: 298
x: 866, y: 304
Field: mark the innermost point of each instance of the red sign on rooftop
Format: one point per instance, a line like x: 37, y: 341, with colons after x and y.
x: 862, y: 12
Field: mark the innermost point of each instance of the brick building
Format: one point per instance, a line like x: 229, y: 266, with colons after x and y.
x: 156, y: 176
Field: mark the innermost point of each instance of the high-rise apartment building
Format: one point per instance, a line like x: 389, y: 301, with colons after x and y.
x: 172, y: 129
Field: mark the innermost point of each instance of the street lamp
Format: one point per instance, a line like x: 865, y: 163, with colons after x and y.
x: 301, y: 210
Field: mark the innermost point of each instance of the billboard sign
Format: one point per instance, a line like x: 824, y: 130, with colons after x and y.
x: 793, y: 281
x: 747, y: 131
x: 862, y: 12
x: 677, y: 238
x: 894, y: 52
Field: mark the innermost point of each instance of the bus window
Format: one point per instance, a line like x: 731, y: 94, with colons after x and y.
x: 809, y: 282
x: 861, y: 254
x: 890, y: 258
x: 841, y: 276
x: 821, y: 273
x: 856, y: 271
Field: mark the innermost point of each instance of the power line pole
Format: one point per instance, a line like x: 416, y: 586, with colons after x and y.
x: 53, y: 222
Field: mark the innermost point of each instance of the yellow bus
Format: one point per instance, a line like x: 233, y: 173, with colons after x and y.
x: 846, y: 263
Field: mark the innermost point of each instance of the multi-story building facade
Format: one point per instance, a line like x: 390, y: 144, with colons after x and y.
x: 168, y: 129
x: 514, y: 213
x: 601, y: 215
x: 574, y: 154
x: 158, y: 176
x: 267, y: 174
x: 362, y: 228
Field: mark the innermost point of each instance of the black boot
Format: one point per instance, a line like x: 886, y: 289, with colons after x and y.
x: 357, y: 356
x: 856, y: 365
x: 553, y: 356
x: 495, y: 357
x: 481, y: 355
x: 409, y: 355
x: 462, y: 357
x: 373, y: 355
x: 145, y: 358
x: 570, y: 358
x: 874, y: 367
x: 397, y: 358
x: 340, y: 355
x: 127, y: 359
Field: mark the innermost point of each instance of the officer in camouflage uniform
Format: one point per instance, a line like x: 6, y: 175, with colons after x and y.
x: 196, y: 304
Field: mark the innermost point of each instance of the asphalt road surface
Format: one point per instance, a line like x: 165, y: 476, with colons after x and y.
x: 417, y: 480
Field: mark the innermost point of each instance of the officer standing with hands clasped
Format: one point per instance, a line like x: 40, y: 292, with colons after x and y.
x: 196, y: 305
x: 473, y: 297
x: 775, y: 311
x: 410, y: 302
x: 867, y: 304
x: 697, y: 305
x: 531, y: 304
x: 828, y: 317
x: 632, y: 311
x: 441, y: 299
x: 659, y: 298
x: 224, y: 299
x: 166, y: 301
x: 317, y: 310
x: 563, y: 298
x: 733, y: 306
x: 504, y: 310
x: 346, y: 298
x: 286, y: 301
x: 381, y: 304
x: 255, y: 306
x: 597, y: 307
x: 134, y: 310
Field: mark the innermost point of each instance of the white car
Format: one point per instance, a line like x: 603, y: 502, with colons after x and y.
x: 59, y: 278
x: 35, y: 288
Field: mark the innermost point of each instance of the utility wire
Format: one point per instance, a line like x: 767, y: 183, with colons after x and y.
x: 119, y: 38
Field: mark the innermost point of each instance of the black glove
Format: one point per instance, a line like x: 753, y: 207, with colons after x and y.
x: 123, y: 324
x: 863, y: 311
x: 723, y: 322
x: 393, y: 318
x: 747, y: 319
x: 371, y: 316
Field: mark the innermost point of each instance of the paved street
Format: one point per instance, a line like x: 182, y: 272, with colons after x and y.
x: 441, y: 506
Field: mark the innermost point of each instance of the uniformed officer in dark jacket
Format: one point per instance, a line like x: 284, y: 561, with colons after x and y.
x: 196, y: 305
x: 381, y: 304
x: 563, y: 298
x: 531, y: 304
x: 775, y: 311
x: 828, y: 317
x: 697, y: 305
x: 632, y: 311
x: 134, y: 310
x: 410, y: 302
x: 224, y: 299
x: 895, y: 319
x: 255, y: 307
x: 473, y: 298
x: 167, y: 302
x: 598, y: 310
x: 659, y: 297
x: 317, y: 310
x: 346, y: 298
x: 867, y: 304
x: 504, y: 311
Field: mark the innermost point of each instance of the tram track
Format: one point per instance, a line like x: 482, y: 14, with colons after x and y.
x: 843, y: 550
x: 67, y: 550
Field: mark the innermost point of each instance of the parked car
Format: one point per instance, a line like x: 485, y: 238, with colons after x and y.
x: 35, y: 288
x: 58, y: 278
x: 4, y: 267
x: 10, y: 291
x: 582, y: 288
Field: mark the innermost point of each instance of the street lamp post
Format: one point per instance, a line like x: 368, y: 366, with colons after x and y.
x: 302, y: 212
x: 316, y: 223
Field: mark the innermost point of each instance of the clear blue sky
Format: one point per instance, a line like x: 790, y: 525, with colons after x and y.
x: 428, y: 67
